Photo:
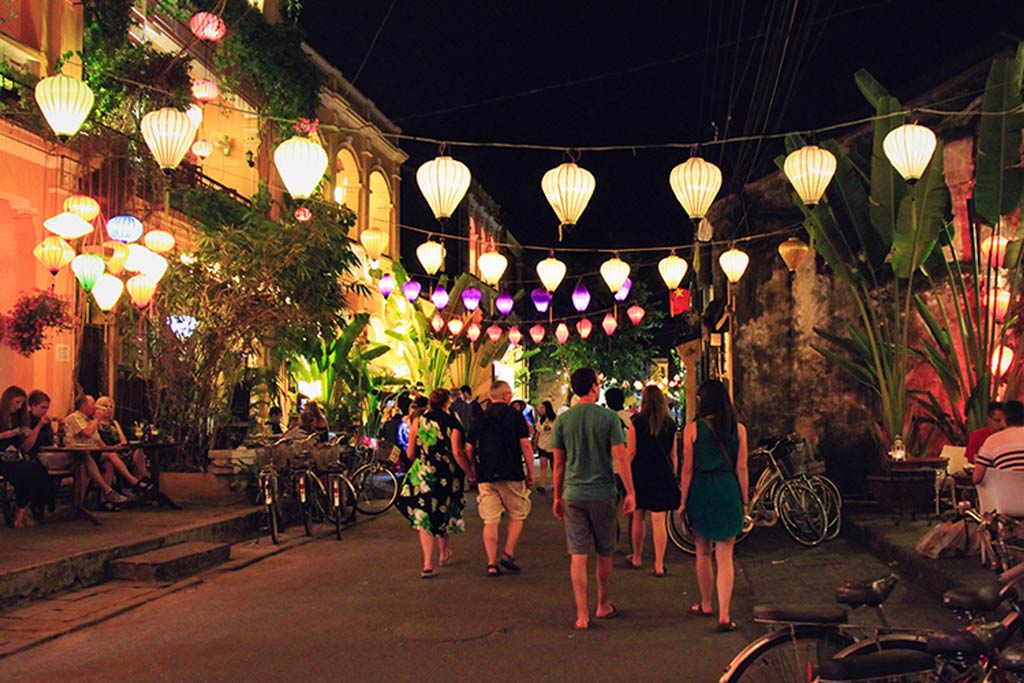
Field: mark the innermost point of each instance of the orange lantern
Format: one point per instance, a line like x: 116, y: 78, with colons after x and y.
x: 83, y: 206
x: 562, y: 333
x: 993, y: 250
x: 537, y: 333
x: 437, y: 322
x: 514, y: 336
x: 455, y: 326
x: 584, y: 327
x: 494, y: 333
x: 1002, y: 359
x: 635, y: 313
x: 141, y: 289
x: 999, y: 303
x: 205, y: 90
x: 54, y: 253
x: 473, y: 332
x: 609, y: 324
x: 119, y: 254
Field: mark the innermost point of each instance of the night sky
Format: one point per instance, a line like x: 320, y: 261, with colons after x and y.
x: 634, y: 73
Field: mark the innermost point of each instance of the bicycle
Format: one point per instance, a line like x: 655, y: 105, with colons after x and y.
x: 373, y: 482
x: 792, y: 500
x: 329, y: 498
x: 269, y: 493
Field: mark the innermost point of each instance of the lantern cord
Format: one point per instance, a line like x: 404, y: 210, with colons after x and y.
x: 373, y: 42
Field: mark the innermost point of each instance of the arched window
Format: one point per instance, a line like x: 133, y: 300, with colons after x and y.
x: 380, y: 205
x: 347, y: 189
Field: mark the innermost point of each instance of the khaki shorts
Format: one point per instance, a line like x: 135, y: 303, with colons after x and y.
x: 494, y: 497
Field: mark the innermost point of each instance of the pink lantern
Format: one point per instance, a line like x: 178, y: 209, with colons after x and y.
x: 994, y: 248
x: 584, y: 327
x: 440, y: 297
x: 206, y: 26
x: 473, y: 332
x: 411, y: 289
x: 455, y: 326
x: 609, y: 324
x: 205, y: 90
x: 1002, y: 359
x: 635, y: 313
x: 386, y: 285
x: 537, y: 333
x: 514, y: 336
x: 999, y: 303
x: 562, y: 333
x: 303, y: 214
x: 494, y: 333
x: 437, y: 322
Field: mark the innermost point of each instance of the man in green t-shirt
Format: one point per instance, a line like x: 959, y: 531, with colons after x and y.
x: 586, y: 440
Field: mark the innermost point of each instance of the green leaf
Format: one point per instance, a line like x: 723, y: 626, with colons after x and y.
x: 887, y: 187
x: 922, y: 218
x: 849, y: 201
x: 999, y: 183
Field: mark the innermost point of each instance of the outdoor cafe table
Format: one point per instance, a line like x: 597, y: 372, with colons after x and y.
x: 903, y: 472
x: 79, y: 453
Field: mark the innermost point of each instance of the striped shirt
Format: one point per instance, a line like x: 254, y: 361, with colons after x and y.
x: 1004, y: 450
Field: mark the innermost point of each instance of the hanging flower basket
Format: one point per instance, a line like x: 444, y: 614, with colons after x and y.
x: 25, y: 326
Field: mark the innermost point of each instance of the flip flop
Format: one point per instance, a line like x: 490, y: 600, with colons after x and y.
x: 427, y: 574
x: 662, y: 573
x: 493, y: 570
x: 727, y: 626
x: 697, y: 611
x: 629, y: 563
x: 611, y: 615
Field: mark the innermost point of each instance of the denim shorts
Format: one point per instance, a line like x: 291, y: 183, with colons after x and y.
x: 590, y: 525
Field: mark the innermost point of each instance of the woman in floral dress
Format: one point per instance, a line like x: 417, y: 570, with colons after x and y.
x: 432, y: 490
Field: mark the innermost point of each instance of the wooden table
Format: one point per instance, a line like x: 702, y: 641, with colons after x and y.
x: 910, y: 469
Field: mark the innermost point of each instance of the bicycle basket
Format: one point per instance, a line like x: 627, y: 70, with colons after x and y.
x: 789, y: 459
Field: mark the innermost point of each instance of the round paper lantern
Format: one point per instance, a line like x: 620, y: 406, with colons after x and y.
x: 734, y: 263
x: 303, y: 214
x: 696, y: 183
x: 551, y: 271
x: 195, y: 115
x: 124, y: 228
x: 202, y: 149
x: 65, y: 103
x: 141, y: 289
x: 455, y: 326
x: 909, y: 149
x: 107, y: 291
x: 580, y: 297
x: 614, y: 271
x: 473, y: 332
x: 87, y: 268
x: 541, y: 299
x: 431, y: 256
x: 374, y: 241
x: 119, y: 254
x: 137, y: 255
x: 492, y: 266
x: 609, y: 324
x: 443, y: 181
x: 568, y: 189
x: 386, y: 285
x: 437, y: 322
x: 810, y: 169
x: 183, y: 326
x: 494, y: 333
x: 54, y: 253
x: 636, y: 313
x: 411, y: 289
x: 793, y: 251
x: 207, y: 26
x: 83, y: 206
x: 514, y: 336
x: 68, y: 225
x: 158, y: 241
x: 471, y: 298
x: 153, y: 266
x: 993, y: 250
x: 168, y: 134
x: 623, y: 292
x: 537, y: 333
x: 562, y: 333
x: 504, y: 303
x: 999, y: 303
x: 1002, y: 359
x: 440, y: 297
x: 301, y: 163
x: 672, y: 270
x: 205, y: 90
x: 584, y: 327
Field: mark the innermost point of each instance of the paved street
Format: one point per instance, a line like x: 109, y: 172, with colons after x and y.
x: 357, y: 609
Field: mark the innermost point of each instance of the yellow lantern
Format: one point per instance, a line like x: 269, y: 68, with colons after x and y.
x: 168, y: 134
x: 65, y: 102
x: 83, y: 206
x: 568, y: 189
x: 431, y: 256
x: 54, y: 253
x: 374, y: 241
x: 793, y: 251
x: 158, y: 241
x: 443, y: 181
x: 551, y: 271
x: 810, y: 169
x: 492, y: 266
x: 87, y: 268
x: 696, y: 183
x: 993, y: 249
x: 909, y: 149
x: 301, y: 163
x: 119, y: 254
x: 734, y: 263
x: 141, y: 289
x: 614, y: 271
x: 672, y: 269
x: 202, y: 149
x: 68, y: 225
x: 107, y: 291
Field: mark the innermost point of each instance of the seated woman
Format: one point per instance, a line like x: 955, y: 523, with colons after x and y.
x: 112, y: 434
x: 29, y: 479
x: 313, y: 420
x: 82, y: 428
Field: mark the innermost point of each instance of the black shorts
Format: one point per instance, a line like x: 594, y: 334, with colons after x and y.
x: 547, y: 455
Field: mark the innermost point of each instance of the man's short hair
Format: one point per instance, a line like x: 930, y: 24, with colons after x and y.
x: 582, y: 381
x: 465, y: 389
x: 1014, y: 413
x: 404, y: 402
x: 498, y: 389
x: 995, y: 406
x: 615, y: 398
x: 275, y: 411
x: 81, y: 400
x: 38, y: 396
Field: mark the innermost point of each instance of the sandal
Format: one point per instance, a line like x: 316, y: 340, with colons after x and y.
x: 427, y: 573
x: 144, y: 485
x: 629, y: 562
x: 696, y: 610
x: 493, y: 570
x: 107, y: 506
x: 727, y: 626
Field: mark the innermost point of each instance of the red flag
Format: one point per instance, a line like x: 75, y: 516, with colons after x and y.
x: 678, y: 302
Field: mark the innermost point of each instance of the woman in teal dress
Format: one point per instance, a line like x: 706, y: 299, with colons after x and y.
x: 714, y: 494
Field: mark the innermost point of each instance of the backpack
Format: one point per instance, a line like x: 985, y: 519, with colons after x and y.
x: 496, y: 450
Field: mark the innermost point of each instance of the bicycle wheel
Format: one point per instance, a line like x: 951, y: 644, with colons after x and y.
x: 682, y: 538
x: 802, y: 513
x: 342, y: 501
x: 833, y: 500
x: 267, y: 486
x: 787, y: 655
x: 376, y: 488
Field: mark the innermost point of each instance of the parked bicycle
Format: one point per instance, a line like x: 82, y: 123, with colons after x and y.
x: 269, y: 489
x: 372, y: 479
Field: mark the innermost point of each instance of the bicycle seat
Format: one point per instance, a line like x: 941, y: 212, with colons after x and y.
x: 871, y: 594
x: 1012, y: 658
x: 984, y: 639
x: 984, y: 599
x: 803, y: 614
x: 875, y: 665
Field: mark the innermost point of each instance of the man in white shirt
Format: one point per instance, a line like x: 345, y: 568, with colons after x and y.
x: 1003, y: 450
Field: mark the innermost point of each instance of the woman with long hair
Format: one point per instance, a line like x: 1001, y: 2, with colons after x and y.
x: 652, y: 443
x: 29, y: 479
x: 714, y: 494
x: 431, y: 496
x: 542, y: 441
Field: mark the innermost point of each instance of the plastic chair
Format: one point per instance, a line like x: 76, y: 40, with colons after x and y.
x: 1002, y: 491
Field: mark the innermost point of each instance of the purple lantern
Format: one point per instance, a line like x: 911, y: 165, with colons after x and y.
x: 412, y: 290
x: 580, y: 297
x: 440, y: 297
x: 386, y: 285
x: 471, y: 298
x: 541, y: 299
x: 504, y: 302
x: 624, y: 290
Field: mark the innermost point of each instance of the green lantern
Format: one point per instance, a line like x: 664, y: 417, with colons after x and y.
x: 88, y: 268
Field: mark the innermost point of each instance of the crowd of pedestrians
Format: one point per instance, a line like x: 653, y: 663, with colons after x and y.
x: 604, y: 461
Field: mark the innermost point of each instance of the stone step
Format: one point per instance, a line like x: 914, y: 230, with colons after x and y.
x: 171, y: 563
